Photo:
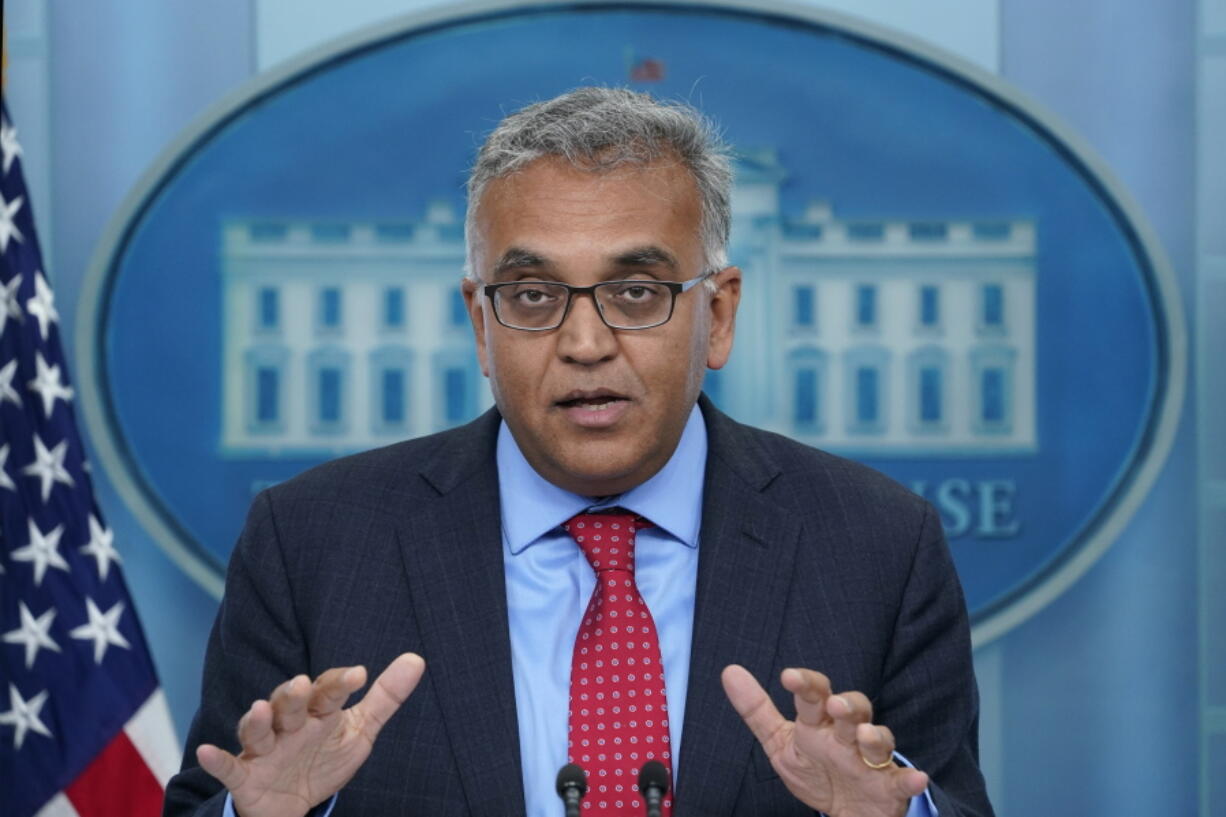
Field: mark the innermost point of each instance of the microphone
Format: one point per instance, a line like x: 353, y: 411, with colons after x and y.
x: 572, y: 785
x: 653, y: 785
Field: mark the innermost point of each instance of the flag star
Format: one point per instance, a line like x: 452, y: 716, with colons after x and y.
x: 10, y: 306
x: 102, y: 629
x: 42, y: 305
x: 7, y: 392
x: 101, y: 546
x: 43, y: 551
x: 5, y: 480
x: 8, y: 229
x: 9, y: 145
x: 48, y: 465
x: 47, y: 384
x: 34, y: 633
x: 23, y: 715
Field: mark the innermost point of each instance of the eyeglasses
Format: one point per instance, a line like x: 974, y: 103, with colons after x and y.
x: 538, y: 306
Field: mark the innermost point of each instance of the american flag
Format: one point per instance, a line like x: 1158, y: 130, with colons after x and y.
x: 84, y: 726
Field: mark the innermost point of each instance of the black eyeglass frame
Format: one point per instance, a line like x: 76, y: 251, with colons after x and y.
x: 675, y: 288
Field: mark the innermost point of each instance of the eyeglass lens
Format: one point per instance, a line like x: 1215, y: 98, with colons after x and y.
x: 623, y: 304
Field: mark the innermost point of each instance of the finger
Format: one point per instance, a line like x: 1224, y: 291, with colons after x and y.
x: 333, y: 688
x: 849, y: 709
x: 876, y: 743
x: 389, y: 691
x: 811, y: 689
x: 908, y: 782
x: 289, y: 702
x: 221, y: 764
x: 255, y: 733
x: 754, y: 706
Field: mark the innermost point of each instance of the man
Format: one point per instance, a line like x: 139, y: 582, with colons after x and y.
x: 599, y: 294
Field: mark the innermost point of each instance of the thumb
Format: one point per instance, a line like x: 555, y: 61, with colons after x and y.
x: 389, y: 691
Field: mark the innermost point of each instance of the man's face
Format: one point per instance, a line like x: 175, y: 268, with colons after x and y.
x: 595, y: 410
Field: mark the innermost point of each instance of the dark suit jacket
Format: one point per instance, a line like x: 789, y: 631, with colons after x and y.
x: 805, y: 560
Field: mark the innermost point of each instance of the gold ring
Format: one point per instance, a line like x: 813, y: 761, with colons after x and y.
x: 883, y: 765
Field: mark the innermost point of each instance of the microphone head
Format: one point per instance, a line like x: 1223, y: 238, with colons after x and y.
x: 571, y: 778
x: 653, y: 775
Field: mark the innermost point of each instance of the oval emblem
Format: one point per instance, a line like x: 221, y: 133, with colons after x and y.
x: 939, y: 280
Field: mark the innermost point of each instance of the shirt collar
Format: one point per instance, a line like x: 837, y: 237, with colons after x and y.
x: 672, y: 499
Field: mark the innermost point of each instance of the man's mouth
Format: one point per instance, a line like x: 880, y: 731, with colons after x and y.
x: 591, y: 403
x: 593, y: 408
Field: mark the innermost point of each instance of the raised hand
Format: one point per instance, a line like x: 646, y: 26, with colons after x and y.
x: 832, y: 757
x: 300, y: 747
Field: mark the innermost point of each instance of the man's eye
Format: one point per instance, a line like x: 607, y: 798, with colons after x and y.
x: 636, y: 293
x: 532, y: 297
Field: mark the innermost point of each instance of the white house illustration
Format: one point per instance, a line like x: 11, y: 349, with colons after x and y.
x: 897, y: 337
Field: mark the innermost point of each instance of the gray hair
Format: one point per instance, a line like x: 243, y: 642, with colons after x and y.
x: 599, y: 129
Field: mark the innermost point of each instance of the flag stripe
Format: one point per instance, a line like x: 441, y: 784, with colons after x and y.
x: 117, y: 783
x: 58, y: 807
x: 153, y: 735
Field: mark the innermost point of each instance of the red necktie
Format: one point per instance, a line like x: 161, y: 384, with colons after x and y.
x: 618, y: 712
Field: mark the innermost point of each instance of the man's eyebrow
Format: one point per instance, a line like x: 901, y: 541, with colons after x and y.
x: 517, y: 258
x: 647, y: 257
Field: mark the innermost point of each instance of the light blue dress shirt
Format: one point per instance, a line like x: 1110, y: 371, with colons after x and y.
x: 549, y: 583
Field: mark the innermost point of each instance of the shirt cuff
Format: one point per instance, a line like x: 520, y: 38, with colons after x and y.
x: 921, y: 804
x: 322, y: 810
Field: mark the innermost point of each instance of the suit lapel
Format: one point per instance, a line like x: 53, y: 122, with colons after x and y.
x: 746, y: 554
x: 452, y: 551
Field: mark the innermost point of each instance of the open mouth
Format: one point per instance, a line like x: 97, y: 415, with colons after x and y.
x: 591, y: 401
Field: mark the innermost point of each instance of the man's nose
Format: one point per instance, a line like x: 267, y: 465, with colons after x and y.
x: 583, y: 337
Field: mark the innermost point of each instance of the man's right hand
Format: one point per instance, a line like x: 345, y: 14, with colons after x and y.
x: 299, y: 747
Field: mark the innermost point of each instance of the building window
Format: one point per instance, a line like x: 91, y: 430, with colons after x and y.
x: 867, y: 396
x: 393, y: 307
x: 265, y: 232
x: 330, y: 233
x: 992, y: 400
x: 802, y: 307
x: 329, y: 378
x: 806, y: 369
x: 330, y: 308
x: 930, y: 394
x: 866, y: 306
x: 390, y: 375
x: 269, y: 308
x: 459, y: 311
x: 264, y: 383
x: 866, y: 400
x: 804, y: 404
x: 866, y: 231
x: 993, y: 306
x: 394, y: 233
x: 392, y: 388
x: 267, y: 395
x: 929, y: 307
x: 992, y: 230
x: 927, y: 383
x: 928, y: 230
x: 455, y: 390
x: 992, y: 376
x: 327, y: 381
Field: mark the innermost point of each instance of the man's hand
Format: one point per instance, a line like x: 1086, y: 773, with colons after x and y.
x: 299, y: 747
x: 824, y: 756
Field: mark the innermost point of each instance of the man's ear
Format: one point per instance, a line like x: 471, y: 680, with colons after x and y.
x: 723, y: 304
x: 473, y: 301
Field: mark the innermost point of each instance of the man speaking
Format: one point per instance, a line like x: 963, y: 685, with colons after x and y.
x: 605, y: 570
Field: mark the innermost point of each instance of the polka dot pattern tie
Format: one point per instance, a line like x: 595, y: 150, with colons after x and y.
x: 618, y: 712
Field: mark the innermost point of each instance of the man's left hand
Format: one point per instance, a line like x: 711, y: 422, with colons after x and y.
x: 826, y: 757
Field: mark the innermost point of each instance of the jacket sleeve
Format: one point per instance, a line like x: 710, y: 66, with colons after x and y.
x: 928, y: 693
x: 256, y: 643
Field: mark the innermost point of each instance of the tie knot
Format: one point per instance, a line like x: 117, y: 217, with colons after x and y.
x: 606, y: 539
